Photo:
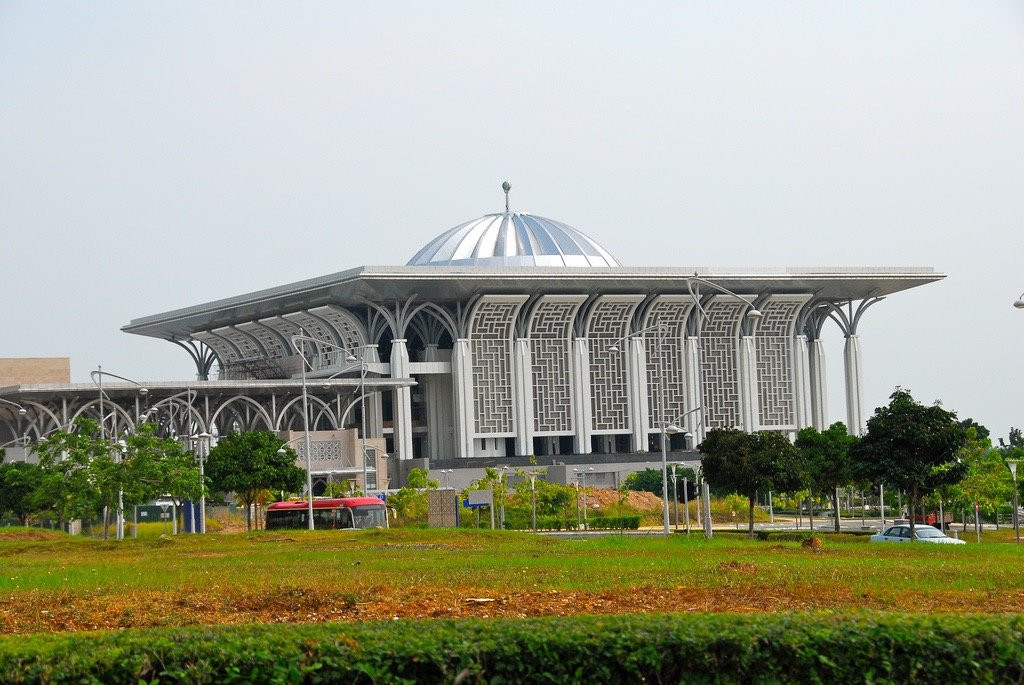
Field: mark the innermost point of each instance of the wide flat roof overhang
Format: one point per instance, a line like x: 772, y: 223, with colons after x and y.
x: 360, y: 285
x: 159, y: 390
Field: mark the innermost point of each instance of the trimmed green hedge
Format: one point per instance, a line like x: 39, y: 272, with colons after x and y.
x: 816, y: 648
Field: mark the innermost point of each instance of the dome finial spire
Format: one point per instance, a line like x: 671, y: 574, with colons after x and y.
x: 506, y: 186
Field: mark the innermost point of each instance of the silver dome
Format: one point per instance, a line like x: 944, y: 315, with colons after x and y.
x: 513, y: 239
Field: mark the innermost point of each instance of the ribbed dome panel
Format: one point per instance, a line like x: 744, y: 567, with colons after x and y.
x: 513, y: 239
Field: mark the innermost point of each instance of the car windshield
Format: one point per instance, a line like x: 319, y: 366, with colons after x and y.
x: 929, y: 532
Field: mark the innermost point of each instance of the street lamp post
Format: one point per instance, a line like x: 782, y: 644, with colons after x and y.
x: 669, y: 428
x: 305, y: 410
x: 532, y: 475
x: 1012, y: 463
x: 675, y: 497
x: 501, y: 495
x: 97, y: 378
x: 686, y: 503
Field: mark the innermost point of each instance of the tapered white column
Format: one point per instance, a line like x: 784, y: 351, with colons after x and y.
x: 462, y: 386
x: 819, y: 387
x: 854, y: 386
x: 694, y: 391
x: 402, y: 404
x: 801, y: 382
x: 374, y: 406
x: 639, y: 392
x: 522, y: 368
x: 749, y: 401
x: 582, y: 411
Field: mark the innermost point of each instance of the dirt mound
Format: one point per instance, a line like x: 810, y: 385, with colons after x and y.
x: 30, y: 535
x: 606, y: 497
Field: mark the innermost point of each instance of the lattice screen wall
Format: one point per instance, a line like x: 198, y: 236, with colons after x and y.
x: 347, y: 325
x: 609, y: 392
x: 246, y: 344
x: 718, y: 363
x: 490, y: 340
x: 673, y: 313
x: 287, y: 329
x: 270, y: 342
x: 549, y: 332
x: 225, y: 352
x: 774, y: 344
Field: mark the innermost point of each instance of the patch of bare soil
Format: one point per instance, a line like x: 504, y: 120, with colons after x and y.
x: 30, y: 535
x: 38, y: 611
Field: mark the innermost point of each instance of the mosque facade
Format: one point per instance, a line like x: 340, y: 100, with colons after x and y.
x: 524, y: 336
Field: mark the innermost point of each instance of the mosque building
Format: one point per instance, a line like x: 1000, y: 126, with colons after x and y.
x: 510, y: 338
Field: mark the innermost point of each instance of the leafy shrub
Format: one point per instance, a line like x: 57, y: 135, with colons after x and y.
x: 857, y: 647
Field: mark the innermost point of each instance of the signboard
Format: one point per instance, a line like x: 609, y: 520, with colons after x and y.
x: 479, y: 498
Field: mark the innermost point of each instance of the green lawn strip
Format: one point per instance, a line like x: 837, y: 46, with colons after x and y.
x: 512, y: 562
x: 819, y: 647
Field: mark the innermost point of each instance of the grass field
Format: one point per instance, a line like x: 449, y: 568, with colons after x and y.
x: 50, y: 582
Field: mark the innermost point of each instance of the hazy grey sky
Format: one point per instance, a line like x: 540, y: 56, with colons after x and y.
x: 156, y: 155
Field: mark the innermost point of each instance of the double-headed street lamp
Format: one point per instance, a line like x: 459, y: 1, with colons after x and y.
x: 581, y: 475
x: 351, y: 358
x: 668, y: 428
x: 97, y: 378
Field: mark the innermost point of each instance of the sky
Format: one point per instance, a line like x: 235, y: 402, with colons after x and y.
x: 160, y: 154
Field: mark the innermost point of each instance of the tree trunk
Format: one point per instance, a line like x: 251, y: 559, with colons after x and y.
x: 810, y: 509
x: 835, y: 509
x: 106, y: 521
x: 751, y: 526
x: 248, y: 517
x: 913, y: 508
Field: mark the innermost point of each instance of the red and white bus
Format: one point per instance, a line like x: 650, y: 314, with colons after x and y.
x: 329, y: 513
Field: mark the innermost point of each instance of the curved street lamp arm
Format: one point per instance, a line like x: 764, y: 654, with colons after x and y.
x: 295, y: 339
x: 683, y: 416
x: 21, y: 410
x: 654, y: 327
x: 753, y: 313
x: 99, y: 374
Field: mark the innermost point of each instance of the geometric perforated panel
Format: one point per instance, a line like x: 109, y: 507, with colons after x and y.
x: 672, y: 313
x: 249, y: 346
x: 609, y: 392
x: 718, y: 363
x: 774, y: 345
x: 270, y: 341
x: 225, y: 351
x: 549, y: 332
x: 490, y: 343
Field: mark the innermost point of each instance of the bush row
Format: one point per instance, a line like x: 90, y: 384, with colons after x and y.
x: 726, y: 648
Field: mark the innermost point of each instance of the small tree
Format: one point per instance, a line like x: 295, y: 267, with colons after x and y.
x: 826, y: 461
x: 987, y: 481
x: 912, y: 447
x: 749, y: 463
x: 411, y: 503
x: 19, y: 485
x: 80, y: 474
x: 247, y: 463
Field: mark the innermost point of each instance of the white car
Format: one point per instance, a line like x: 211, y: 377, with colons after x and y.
x: 922, y: 533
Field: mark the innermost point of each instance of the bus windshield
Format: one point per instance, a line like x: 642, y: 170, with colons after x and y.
x: 370, y: 516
